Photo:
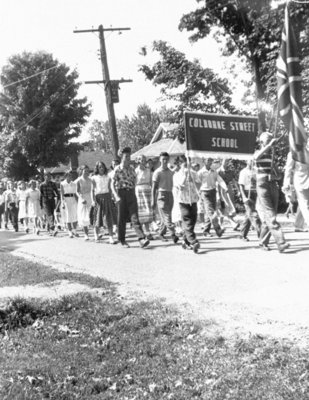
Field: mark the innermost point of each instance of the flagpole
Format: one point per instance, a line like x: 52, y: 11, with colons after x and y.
x: 189, y: 174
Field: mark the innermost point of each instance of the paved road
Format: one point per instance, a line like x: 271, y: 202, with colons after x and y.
x: 233, y: 283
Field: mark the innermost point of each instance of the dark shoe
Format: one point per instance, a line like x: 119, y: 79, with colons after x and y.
x: 55, y: 233
x: 220, y: 232
x: 125, y: 245
x: 163, y: 238
x: 245, y: 239
x: 264, y: 247
x: 144, y: 243
x: 186, y: 245
x: 149, y: 236
x: 175, y: 238
x: 283, y: 247
x: 195, y: 247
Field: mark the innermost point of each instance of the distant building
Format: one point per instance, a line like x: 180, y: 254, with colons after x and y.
x: 164, y: 139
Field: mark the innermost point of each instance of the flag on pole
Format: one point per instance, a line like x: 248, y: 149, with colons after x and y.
x: 289, y: 91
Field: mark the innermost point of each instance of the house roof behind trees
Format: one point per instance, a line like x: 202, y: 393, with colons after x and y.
x: 165, y: 130
x: 164, y: 139
x: 89, y: 158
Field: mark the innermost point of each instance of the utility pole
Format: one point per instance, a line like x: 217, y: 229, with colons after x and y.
x: 110, y: 86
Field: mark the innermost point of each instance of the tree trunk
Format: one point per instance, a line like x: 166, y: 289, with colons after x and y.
x: 260, y: 94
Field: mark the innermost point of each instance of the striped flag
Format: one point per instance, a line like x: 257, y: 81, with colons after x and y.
x: 289, y: 91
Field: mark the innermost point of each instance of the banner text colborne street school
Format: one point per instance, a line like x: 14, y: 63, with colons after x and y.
x: 221, y: 125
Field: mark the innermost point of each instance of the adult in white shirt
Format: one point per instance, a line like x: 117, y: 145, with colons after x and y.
x: 209, y: 180
x: 187, y: 183
x: 247, y: 187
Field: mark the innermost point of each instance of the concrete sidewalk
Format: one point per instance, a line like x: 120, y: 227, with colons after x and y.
x: 234, y: 283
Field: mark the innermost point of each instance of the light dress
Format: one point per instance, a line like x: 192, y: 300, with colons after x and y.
x: 22, y: 196
x: 83, y: 210
x: 143, y: 195
x: 70, y: 202
x: 34, y: 208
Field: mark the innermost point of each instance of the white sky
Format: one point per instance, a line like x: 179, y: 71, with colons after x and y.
x: 48, y: 25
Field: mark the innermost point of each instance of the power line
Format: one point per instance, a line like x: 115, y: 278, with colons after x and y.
x: 29, y: 77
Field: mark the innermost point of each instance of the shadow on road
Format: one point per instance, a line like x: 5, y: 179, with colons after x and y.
x: 10, y: 241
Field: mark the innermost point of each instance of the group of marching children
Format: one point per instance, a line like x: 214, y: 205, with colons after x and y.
x: 20, y: 204
x: 168, y: 200
x: 56, y: 206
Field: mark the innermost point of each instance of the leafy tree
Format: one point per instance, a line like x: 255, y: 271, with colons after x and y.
x: 252, y: 29
x: 167, y: 115
x: 39, y: 113
x: 186, y: 82
x: 135, y: 132
x: 138, y: 130
x: 100, y: 136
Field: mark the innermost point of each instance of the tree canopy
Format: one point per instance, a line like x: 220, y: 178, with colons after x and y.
x: 39, y: 113
x: 100, y: 136
x: 251, y: 28
x: 135, y: 131
x: 186, y: 82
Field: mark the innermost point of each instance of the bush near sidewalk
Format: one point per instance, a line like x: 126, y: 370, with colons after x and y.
x: 100, y: 347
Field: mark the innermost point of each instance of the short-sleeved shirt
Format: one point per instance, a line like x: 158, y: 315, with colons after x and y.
x: 247, y: 178
x: 10, y: 196
x: 49, y: 191
x: 164, y: 179
x: 124, y: 178
x: 69, y: 188
x: 208, y: 178
x: 187, y: 188
x: 101, y: 183
x: 22, y: 195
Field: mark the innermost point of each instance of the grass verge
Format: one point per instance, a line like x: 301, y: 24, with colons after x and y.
x: 87, y: 347
x: 15, y: 271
